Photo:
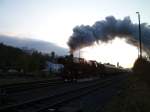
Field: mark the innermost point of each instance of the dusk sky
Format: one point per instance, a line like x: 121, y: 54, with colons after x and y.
x: 53, y: 21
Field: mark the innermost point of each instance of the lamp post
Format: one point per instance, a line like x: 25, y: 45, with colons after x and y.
x: 140, y: 44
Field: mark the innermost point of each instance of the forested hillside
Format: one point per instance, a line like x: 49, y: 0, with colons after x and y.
x: 21, y: 60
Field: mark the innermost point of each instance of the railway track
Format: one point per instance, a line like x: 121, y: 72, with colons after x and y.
x: 55, y: 100
x: 19, y: 87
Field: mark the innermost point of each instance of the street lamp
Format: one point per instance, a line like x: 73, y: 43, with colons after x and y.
x: 140, y: 45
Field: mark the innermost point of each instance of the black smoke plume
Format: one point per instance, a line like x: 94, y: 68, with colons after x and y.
x: 107, y: 30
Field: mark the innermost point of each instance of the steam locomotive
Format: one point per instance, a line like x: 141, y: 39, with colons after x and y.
x: 77, y: 68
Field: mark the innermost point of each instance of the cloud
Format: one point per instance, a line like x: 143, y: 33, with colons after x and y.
x: 42, y: 46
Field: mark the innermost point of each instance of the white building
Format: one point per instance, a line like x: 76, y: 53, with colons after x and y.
x: 53, y: 67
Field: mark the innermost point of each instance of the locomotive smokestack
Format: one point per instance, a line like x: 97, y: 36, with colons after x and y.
x: 71, y: 54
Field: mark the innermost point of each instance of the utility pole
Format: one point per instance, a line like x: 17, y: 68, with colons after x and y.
x: 140, y: 44
x: 79, y: 53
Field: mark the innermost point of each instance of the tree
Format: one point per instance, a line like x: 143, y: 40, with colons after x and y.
x: 52, y: 56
